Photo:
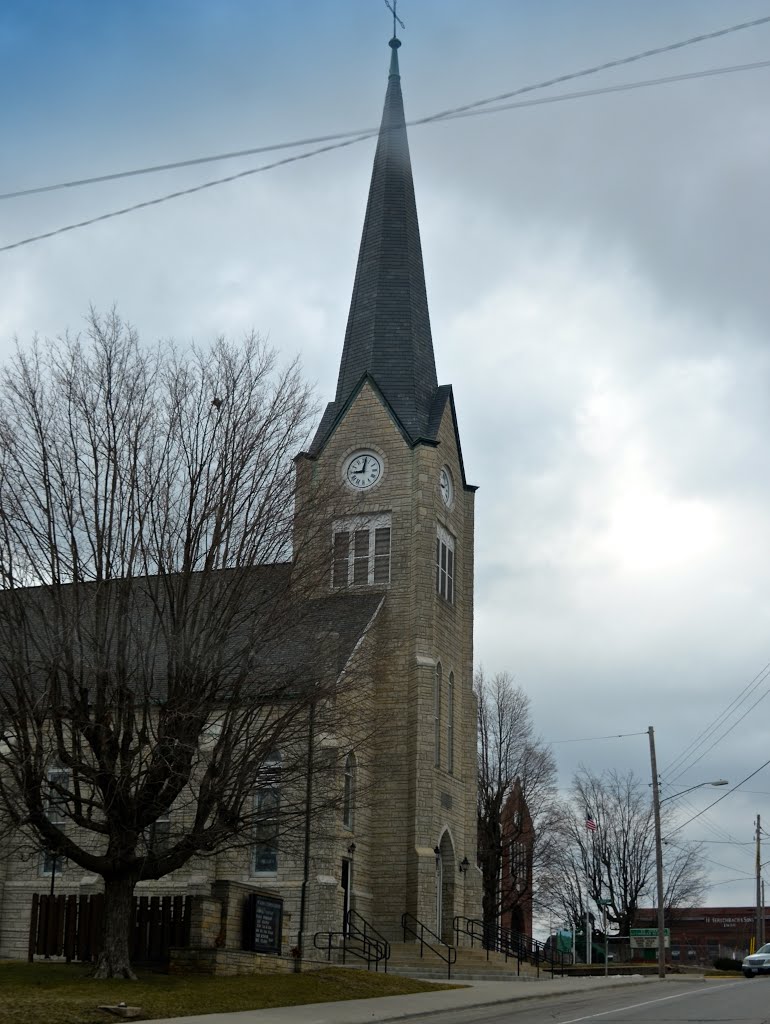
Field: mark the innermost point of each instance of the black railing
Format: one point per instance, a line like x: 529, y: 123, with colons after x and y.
x: 513, y: 945
x: 436, y: 945
x: 360, y: 940
x: 359, y: 926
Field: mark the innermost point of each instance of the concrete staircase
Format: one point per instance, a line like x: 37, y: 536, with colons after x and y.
x: 471, y: 965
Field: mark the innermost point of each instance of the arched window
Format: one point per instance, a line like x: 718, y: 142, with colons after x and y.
x: 450, y: 724
x: 518, y: 865
x: 437, y: 715
x: 267, y: 799
x: 57, y: 813
x: 349, y: 791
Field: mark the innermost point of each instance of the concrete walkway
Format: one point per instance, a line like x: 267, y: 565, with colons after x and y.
x: 393, y: 1008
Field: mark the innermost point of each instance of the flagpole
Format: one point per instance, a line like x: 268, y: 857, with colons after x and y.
x: 588, y: 921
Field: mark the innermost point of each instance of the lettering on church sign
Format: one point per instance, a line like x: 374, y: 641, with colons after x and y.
x: 262, y: 923
x: 647, y: 938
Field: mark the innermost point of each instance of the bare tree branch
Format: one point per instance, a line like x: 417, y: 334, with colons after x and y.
x: 156, y: 612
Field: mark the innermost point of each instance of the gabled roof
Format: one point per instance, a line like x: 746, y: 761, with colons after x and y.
x: 388, y: 334
x: 248, y: 623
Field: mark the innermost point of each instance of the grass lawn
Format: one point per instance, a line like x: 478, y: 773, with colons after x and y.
x: 43, y: 993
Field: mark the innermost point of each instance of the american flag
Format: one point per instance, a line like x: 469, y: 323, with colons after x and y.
x: 590, y: 821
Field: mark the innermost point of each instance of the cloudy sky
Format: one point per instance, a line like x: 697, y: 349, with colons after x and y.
x: 598, y: 279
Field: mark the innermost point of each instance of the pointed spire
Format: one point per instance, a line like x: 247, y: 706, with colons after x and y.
x: 394, y: 45
x: 388, y: 333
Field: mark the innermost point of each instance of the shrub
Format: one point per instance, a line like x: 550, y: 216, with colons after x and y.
x: 723, y: 963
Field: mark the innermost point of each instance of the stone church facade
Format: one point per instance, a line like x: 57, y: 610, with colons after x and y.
x: 404, y: 837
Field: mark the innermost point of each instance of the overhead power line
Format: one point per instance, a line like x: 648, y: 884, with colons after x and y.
x: 315, y: 152
x: 717, y: 801
x: 723, y: 836
x: 571, y: 76
x: 441, y: 115
x: 593, y: 739
x: 604, y: 90
x: 176, y: 195
x: 734, y: 705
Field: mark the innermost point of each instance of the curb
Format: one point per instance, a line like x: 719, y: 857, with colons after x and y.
x: 410, y: 1014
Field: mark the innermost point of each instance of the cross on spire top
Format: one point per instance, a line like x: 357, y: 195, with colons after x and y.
x: 392, y: 8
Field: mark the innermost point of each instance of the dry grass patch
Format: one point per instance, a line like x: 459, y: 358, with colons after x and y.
x: 43, y: 993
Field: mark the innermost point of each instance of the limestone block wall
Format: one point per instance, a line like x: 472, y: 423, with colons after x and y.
x: 414, y: 800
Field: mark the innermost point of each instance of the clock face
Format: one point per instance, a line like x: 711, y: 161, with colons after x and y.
x: 363, y: 470
x: 445, y: 486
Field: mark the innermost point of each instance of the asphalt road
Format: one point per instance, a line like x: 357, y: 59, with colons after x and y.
x: 703, y: 1002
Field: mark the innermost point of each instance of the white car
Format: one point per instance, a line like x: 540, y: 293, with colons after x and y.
x: 757, y: 963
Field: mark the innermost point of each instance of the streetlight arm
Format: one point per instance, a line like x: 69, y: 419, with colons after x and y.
x: 717, y: 782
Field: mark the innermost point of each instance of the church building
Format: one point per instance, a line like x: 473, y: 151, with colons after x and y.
x: 399, y: 592
x: 391, y: 440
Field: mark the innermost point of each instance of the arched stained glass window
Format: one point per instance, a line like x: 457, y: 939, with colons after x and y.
x: 450, y: 724
x: 437, y: 715
x: 267, y: 800
x: 349, y: 791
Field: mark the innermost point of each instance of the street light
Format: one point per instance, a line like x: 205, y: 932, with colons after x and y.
x: 656, y: 802
x: 716, y: 782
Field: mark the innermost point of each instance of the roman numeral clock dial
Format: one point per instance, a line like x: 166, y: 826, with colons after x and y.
x: 446, y: 487
x: 363, y: 470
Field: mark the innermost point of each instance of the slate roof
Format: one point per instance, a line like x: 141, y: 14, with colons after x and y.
x: 277, y: 635
x: 340, y: 620
x: 388, y: 334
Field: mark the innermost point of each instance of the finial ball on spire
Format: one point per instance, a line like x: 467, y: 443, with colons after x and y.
x: 395, y: 42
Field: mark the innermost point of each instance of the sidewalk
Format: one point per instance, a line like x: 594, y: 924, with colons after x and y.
x: 393, y: 1008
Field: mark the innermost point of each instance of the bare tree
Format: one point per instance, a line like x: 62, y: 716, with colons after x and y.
x: 154, y: 606
x: 616, y: 862
x: 509, y: 752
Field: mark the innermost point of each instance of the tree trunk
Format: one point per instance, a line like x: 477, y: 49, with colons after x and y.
x: 114, y: 961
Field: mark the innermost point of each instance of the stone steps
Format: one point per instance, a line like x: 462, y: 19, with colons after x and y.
x: 471, y: 965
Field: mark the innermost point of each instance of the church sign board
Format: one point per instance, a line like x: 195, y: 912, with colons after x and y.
x: 262, y: 923
x: 647, y: 938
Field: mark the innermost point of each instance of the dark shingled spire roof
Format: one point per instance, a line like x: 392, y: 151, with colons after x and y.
x: 388, y: 334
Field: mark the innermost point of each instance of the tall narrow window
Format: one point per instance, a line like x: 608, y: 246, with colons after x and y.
x: 159, y: 835
x: 56, y: 812
x: 518, y: 864
x: 445, y: 565
x: 450, y: 723
x: 437, y: 715
x: 267, y: 798
x: 361, y: 551
x: 349, y: 791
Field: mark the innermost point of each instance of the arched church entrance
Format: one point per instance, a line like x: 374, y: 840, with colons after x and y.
x: 446, y: 869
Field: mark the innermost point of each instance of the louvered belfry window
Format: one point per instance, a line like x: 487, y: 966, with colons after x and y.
x: 361, y: 552
x: 445, y: 565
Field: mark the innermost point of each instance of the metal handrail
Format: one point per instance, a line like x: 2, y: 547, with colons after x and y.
x: 449, y: 957
x: 511, y: 944
x: 371, y: 950
x: 361, y: 927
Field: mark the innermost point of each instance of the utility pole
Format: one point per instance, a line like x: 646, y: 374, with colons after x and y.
x: 763, y: 913
x: 760, y: 915
x: 658, y: 856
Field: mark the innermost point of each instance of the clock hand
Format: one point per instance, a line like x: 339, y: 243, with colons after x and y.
x: 363, y: 468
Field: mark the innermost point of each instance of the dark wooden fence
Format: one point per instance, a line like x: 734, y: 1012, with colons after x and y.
x: 72, y: 926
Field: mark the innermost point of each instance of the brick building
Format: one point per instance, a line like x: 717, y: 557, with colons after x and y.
x: 389, y: 441
x: 699, y: 934
x: 516, y: 882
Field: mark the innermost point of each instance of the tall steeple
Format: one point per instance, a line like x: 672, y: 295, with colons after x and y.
x: 388, y: 334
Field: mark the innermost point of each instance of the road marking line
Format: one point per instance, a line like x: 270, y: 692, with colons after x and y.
x: 635, y: 1006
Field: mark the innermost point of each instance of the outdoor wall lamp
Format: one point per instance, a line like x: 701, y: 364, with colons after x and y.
x: 352, y: 849
x: 464, y: 865
x: 437, y: 853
